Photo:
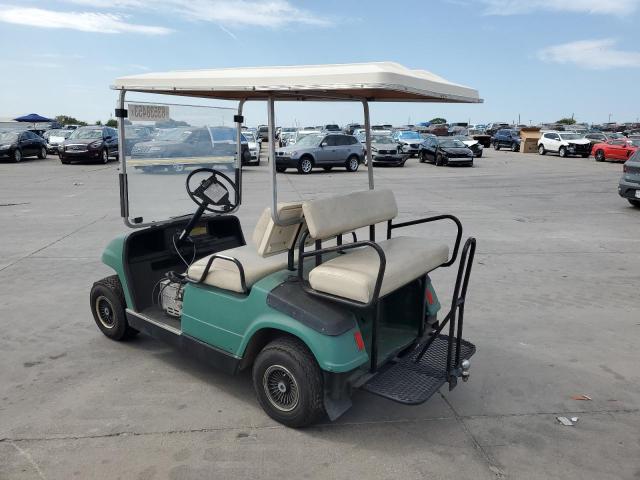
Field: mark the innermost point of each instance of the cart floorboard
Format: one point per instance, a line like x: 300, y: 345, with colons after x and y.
x: 406, y: 381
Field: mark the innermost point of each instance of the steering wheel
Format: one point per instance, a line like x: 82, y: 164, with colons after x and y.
x: 217, y: 193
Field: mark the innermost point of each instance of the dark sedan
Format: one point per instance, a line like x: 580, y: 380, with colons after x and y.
x: 445, y: 151
x: 386, y: 152
x: 17, y: 145
x: 94, y: 143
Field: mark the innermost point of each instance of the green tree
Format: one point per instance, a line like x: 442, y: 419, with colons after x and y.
x: 98, y: 122
x: 67, y: 120
x: 112, y: 122
x: 567, y: 121
x: 438, y: 120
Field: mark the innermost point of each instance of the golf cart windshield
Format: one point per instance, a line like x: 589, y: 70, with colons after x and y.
x: 163, y: 143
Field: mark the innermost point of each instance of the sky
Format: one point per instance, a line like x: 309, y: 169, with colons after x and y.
x: 533, y: 60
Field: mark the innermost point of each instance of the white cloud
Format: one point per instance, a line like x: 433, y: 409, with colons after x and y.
x: 516, y: 7
x: 83, y: 21
x: 591, y: 54
x: 266, y: 13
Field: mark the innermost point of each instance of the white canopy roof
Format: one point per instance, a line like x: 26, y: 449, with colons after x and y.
x: 377, y: 81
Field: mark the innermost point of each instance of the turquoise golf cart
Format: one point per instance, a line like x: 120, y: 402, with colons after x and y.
x: 324, y: 296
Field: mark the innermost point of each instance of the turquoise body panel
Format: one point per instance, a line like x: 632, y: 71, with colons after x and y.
x: 229, y: 321
x: 113, y: 256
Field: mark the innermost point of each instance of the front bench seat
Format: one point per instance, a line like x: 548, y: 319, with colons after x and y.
x: 264, y: 255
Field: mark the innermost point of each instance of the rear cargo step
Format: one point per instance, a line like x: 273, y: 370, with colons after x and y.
x: 407, y: 381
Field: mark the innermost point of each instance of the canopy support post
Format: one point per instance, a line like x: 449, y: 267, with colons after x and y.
x: 367, y: 134
x: 124, y: 190
x: 239, y: 154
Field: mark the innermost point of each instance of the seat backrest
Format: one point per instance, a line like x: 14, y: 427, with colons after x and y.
x: 332, y: 216
x: 270, y: 238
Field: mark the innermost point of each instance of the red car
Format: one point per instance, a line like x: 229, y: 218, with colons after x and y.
x: 613, y: 150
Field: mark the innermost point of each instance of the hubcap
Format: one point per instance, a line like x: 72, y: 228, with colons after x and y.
x: 105, y: 156
x: 18, y: 155
x: 281, y: 388
x: 353, y: 164
x: 306, y: 165
x: 104, y: 311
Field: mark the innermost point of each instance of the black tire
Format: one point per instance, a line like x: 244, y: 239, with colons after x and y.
x: 305, y: 165
x: 635, y: 203
x: 42, y: 154
x: 515, y: 147
x: 327, y: 169
x: 17, y: 155
x: 496, y: 146
x: 281, y: 169
x: 479, y: 155
x: 108, y: 304
x: 599, y: 156
x: 295, y: 398
x: 422, y: 157
x: 352, y: 163
x: 65, y: 162
x: 541, y: 149
x: 104, y: 156
x: 562, y: 152
x: 439, y: 162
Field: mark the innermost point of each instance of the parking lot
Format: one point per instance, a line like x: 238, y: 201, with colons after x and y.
x: 552, y: 308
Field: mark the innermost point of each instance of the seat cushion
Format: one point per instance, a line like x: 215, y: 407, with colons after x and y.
x: 225, y: 274
x: 354, y: 275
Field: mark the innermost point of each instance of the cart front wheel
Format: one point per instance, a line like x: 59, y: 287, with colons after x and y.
x: 288, y: 383
x: 108, y: 308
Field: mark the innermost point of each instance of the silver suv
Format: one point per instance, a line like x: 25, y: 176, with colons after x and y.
x: 321, y: 151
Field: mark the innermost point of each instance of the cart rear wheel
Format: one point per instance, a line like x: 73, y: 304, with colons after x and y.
x: 288, y: 383
x: 108, y: 307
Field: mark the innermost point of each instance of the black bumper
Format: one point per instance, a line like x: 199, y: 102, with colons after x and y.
x: 628, y: 190
x: 390, y: 160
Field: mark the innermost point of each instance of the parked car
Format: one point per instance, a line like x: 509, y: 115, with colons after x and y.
x: 385, y: 151
x: 263, y: 133
x: 445, y: 151
x: 331, y: 127
x: 564, y: 143
x: 287, y: 138
x: 492, y: 128
x: 321, y: 151
x: 134, y: 135
x: 479, y: 134
x: 18, y: 145
x: 95, y: 143
x: 54, y: 138
x: 409, y: 141
x: 472, y: 144
x: 506, y: 138
x: 629, y: 186
x: 438, y: 129
x: 254, y: 147
x: 350, y: 128
x: 613, y: 150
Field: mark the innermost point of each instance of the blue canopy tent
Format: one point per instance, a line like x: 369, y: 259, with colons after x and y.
x: 33, y: 118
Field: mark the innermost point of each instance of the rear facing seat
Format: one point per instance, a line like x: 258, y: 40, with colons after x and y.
x: 264, y: 255
x: 353, y: 276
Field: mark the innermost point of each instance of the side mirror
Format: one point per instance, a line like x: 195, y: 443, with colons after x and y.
x: 323, y: 144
